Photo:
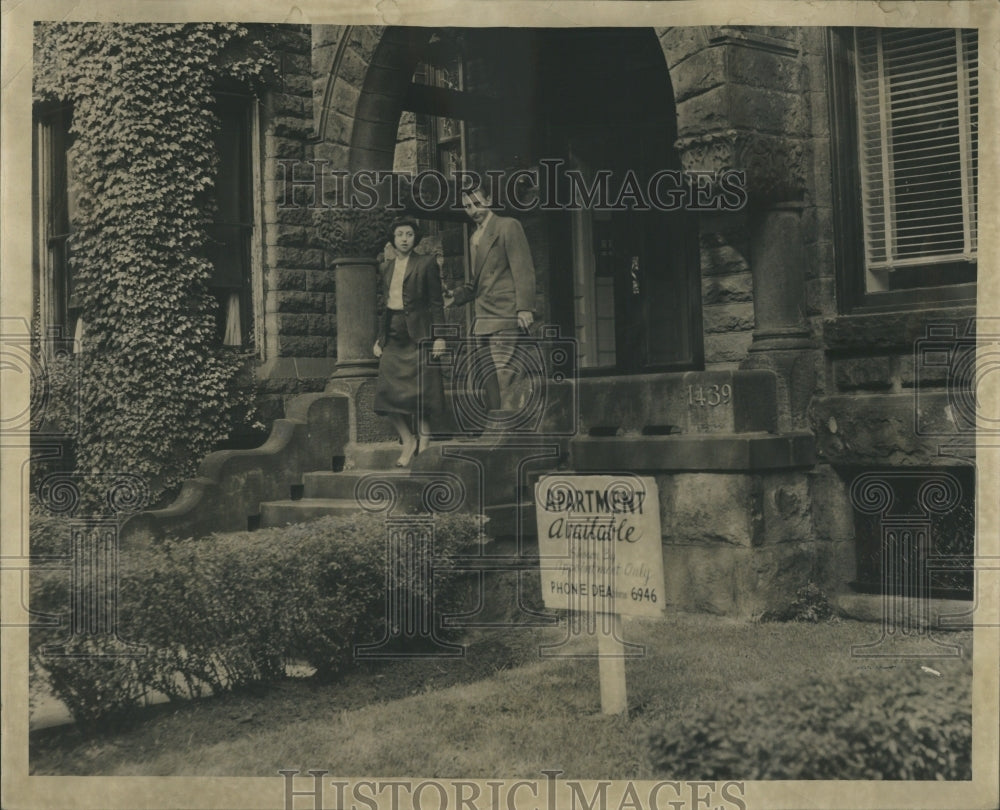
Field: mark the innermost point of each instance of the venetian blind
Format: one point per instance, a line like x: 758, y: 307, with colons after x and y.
x: 918, y: 113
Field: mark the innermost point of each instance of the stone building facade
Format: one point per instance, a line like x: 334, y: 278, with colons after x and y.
x: 763, y: 362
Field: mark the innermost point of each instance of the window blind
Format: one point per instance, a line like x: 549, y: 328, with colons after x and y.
x: 918, y: 112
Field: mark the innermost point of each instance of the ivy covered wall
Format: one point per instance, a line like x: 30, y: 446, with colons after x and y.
x: 156, y: 390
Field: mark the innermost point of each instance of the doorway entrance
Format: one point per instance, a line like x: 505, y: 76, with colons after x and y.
x: 634, y: 276
x: 623, y: 281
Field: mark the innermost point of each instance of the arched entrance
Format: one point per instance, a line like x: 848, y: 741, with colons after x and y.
x: 624, y: 283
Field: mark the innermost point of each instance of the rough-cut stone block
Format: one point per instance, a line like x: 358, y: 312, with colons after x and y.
x: 699, y: 73
x: 320, y: 281
x: 365, y: 39
x: 833, y: 518
x: 337, y: 156
x: 322, y: 325
x: 301, y: 346
x: 679, y: 43
x: 352, y: 67
x: 931, y: 376
x: 727, y: 348
x: 865, y: 373
x: 709, y: 508
x: 292, y: 323
x: 893, y: 330
x: 888, y: 430
x: 292, y: 127
x: 786, y: 502
x: 284, y: 148
x: 299, y: 258
x: 734, y: 317
x: 344, y: 98
x: 727, y: 289
x: 821, y: 297
x: 297, y: 85
x: 300, y: 63
x: 286, y: 104
x: 720, y: 257
x: 286, y: 235
x: 757, y: 68
x: 296, y: 302
x: 285, y: 279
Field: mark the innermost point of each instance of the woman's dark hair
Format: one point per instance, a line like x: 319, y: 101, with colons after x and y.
x: 405, y: 221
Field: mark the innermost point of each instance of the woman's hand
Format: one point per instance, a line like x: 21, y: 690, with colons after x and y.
x: 377, y: 350
x: 438, y: 348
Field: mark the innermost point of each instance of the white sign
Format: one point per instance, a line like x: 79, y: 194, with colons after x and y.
x: 599, y: 543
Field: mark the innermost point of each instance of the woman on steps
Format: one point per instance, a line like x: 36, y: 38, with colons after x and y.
x: 409, y: 387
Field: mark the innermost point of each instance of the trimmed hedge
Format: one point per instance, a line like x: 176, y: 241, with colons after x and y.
x: 223, y: 612
x: 899, y: 723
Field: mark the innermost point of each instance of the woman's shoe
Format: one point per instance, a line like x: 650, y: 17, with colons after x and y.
x: 409, y: 451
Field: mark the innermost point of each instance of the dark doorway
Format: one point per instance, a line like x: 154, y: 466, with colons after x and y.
x: 607, y: 103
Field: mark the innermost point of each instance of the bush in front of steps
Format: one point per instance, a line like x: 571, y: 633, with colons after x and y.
x: 231, y: 610
x: 897, y: 723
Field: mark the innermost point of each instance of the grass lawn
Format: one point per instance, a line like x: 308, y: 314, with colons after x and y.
x: 501, y: 711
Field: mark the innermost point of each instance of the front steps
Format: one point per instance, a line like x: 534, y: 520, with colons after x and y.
x: 492, y: 476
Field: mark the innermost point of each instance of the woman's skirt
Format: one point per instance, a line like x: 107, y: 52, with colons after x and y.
x: 408, y: 382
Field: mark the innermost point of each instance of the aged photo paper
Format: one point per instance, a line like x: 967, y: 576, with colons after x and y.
x: 712, y: 283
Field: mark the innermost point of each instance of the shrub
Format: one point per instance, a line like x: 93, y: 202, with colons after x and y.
x: 900, y: 723
x: 223, y: 612
x: 809, y: 605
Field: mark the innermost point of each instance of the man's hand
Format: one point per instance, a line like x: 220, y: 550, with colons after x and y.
x: 525, y: 317
x: 448, y: 296
x: 377, y: 350
x: 438, y: 348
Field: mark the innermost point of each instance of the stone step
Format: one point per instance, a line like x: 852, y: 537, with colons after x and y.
x: 281, y: 513
x: 349, y: 485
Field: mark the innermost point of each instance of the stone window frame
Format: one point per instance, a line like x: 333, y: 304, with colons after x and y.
x: 849, y: 239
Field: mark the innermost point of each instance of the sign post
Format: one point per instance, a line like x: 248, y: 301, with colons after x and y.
x: 600, y: 555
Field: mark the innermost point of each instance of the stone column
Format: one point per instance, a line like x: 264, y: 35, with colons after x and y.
x: 778, y: 266
x: 356, y: 285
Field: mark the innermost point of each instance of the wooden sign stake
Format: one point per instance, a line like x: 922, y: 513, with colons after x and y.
x: 611, y: 655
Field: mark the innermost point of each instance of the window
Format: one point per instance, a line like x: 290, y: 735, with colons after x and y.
x: 230, y: 242
x: 230, y: 245
x: 905, y: 114
x: 55, y: 205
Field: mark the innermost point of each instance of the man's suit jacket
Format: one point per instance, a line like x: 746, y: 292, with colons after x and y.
x: 503, y: 277
x: 422, y: 300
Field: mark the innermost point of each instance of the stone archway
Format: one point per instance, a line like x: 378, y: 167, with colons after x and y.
x: 360, y: 76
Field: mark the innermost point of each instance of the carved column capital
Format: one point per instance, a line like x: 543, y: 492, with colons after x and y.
x: 774, y: 164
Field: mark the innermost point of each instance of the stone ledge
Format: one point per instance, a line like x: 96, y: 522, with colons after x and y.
x: 701, y: 453
x: 880, y: 331
x: 931, y: 615
x: 231, y: 484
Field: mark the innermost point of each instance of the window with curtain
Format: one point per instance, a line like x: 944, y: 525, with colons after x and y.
x: 231, y: 232
x: 909, y: 166
x: 55, y: 203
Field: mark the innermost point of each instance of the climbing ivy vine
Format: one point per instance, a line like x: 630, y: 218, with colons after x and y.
x: 156, y: 391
